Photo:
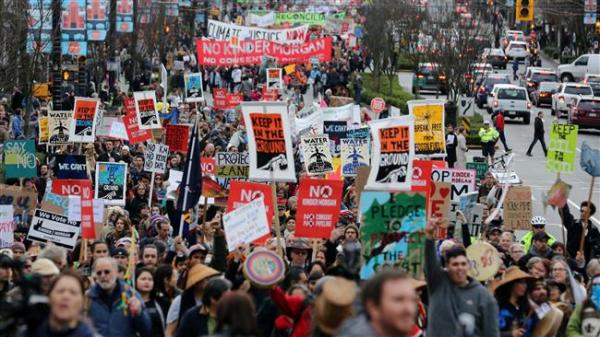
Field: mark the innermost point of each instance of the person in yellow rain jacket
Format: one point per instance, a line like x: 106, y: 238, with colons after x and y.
x: 538, y: 224
x: 489, y: 135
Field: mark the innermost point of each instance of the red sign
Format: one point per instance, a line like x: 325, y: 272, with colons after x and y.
x: 134, y: 133
x: 318, y: 207
x: 82, y: 188
x: 220, y: 98
x: 177, y: 137
x: 208, y: 166
x: 242, y: 192
x: 377, y: 105
x: 68, y: 187
x: 234, y: 99
x: 248, y: 52
x: 421, y: 177
x: 270, y: 94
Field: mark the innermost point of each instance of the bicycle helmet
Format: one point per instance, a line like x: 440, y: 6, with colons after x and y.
x: 538, y: 220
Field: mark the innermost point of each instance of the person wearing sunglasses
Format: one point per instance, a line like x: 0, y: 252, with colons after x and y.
x: 538, y: 225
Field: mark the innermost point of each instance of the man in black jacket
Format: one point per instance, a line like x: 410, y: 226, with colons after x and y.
x: 591, y: 244
x: 538, y: 134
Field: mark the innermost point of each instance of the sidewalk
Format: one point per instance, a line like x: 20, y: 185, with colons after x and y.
x: 546, y: 59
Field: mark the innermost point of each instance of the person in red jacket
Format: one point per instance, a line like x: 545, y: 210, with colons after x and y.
x: 499, y: 123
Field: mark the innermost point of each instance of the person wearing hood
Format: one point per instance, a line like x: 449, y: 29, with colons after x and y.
x: 458, y: 304
x: 539, y: 248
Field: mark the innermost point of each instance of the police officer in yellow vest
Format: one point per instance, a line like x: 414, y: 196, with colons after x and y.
x: 538, y: 224
x: 489, y: 135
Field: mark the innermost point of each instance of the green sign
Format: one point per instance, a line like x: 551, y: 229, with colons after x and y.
x: 19, y: 159
x: 562, y: 148
x: 480, y: 168
x: 304, y: 18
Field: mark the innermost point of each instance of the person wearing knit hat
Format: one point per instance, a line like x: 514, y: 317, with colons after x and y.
x: 18, y: 249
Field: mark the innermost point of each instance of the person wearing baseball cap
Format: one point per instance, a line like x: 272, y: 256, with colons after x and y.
x: 121, y: 255
x: 539, y: 248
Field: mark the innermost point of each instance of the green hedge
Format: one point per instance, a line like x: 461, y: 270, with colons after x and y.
x: 404, y: 63
x: 398, y: 98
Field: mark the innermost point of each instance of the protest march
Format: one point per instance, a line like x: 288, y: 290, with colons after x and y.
x: 247, y: 177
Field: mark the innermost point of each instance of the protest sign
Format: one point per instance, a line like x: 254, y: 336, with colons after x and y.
x: 274, y: 79
x: 562, y: 149
x: 53, y: 202
x: 590, y: 160
x: 226, y: 32
x: 317, y: 158
x: 246, y: 224
x: 82, y: 128
x: 242, y: 192
x: 208, y: 166
x: 234, y: 99
x: 421, y: 177
x: 354, y: 154
x: 390, y: 222
x: 112, y: 127
x: 484, y: 261
x: 439, y: 201
x: 175, y: 178
x: 392, y: 155
x: 6, y: 226
x: 83, y: 189
x: 259, y: 20
x: 58, y: 127
x: 517, y: 208
x: 558, y: 195
x: 219, y: 96
x: 66, y: 187
x: 55, y: 228
x: 155, y: 157
x: 480, y: 169
x: 250, y: 52
x: 134, y: 133
x: 193, y: 87
x: 19, y: 159
x: 21, y: 199
x: 145, y: 109
x: 269, y: 141
x: 177, y: 137
x: 429, y: 126
x: 70, y: 166
x: 43, y: 129
x: 318, y: 207
x: 111, y: 182
x: 463, y: 181
x: 309, y: 121
x: 232, y: 164
x: 335, y: 130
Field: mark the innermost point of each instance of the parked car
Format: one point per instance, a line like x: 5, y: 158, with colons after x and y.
x: 543, y: 93
x: 518, y: 50
x: 594, y: 81
x: 512, y: 100
x: 576, y: 70
x: 486, y: 85
x: 566, y: 94
x: 495, y: 57
x: 511, y: 35
x: 429, y: 77
x: 533, y: 77
x: 586, y: 113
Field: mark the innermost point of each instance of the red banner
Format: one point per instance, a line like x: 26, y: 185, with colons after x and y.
x: 421, y: 176
x: 82, y: 188
x: 177, y: 137
x: 318, y: 207
x: 220, y: 98
x: 242, y: 192
x: 134, y: 133
x: 248, y: 52
x: 68, y: 187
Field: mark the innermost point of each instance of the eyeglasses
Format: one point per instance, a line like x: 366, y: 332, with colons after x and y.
x: 538, y: 226
x: 103, y: 272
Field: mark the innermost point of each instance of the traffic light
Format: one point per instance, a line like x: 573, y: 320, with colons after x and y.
x: 524, y: 10
x: 66, y: 75
x: 598, y: 27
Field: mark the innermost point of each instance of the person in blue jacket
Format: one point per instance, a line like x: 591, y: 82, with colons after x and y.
x: 105, y: 307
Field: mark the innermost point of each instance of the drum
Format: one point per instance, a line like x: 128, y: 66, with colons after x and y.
x: 484, y: 260
x: 264, y: 268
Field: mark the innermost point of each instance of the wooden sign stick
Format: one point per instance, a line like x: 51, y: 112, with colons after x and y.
x: 586, y: 216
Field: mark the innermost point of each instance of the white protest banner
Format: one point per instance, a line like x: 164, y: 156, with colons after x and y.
x: 463, y: 181
x: 354, y: 154
x: 226, y: 32
x: 155, y: 158
x: 269, y: 141
x: 261, y: 20
x: 59, y: 123
x: 98, y: 205
x: 309, y: 122
x: 246, y: 224
x: 6, y: 226
x: 74, y: 210
x: 392, y: 154
x: 51, y: 227
x: 317, y: 157
x: 274, y: 79
x: 175, y: 178
x: 145, y: 108
x: 83, y: 126
x: 193, y: 87
x: 164, y: 83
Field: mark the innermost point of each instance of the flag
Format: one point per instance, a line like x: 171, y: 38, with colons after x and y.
x: 190, y: 188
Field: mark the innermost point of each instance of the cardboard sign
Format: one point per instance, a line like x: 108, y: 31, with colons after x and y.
x: 53, y: 202
x: 134, y: 133
x: 421, y: 177
x: 391, y: 231
x: 429, y: 126
x: 354, y: 154
x: 463, y: 181
x: 392, y: 155
x: 43, y: 129
x: 518, y: 208
x: 439, y: 202
x: 242, y: 192
x: 193, y: 87
x: 317, y: 158
x: 70, y: 166
x: 51, y: 227
x: 111, y: 182
x: 145, y: 108
x: 318, y: 207
x: 21, y: 199
x: 177, y: 137
x: 269, y: 141
x: 19, y: 159
x: 480, y: 169
x: 58, y: 127
x: 246, y: 224
x: 232, y: 164
x: 251, y: 52
x: 82, y: 128
x: 227, y: 32
x: 274, y: 79
x: 562, y: 149
x: 6, y: 226
x: 155, y: 158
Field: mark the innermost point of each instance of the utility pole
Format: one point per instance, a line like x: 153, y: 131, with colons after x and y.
x: 56, y: 90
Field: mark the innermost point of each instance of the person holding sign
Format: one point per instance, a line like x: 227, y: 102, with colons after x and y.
x: 591, y: 241
x: 458, y: 304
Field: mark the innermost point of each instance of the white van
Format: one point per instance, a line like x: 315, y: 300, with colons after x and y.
x: 517, y: 49
x: 513, y: 100
x: 575, y: 72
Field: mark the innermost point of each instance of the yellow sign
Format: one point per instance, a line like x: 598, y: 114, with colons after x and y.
x: 41, y: 90
x: 43, y: 125
x: 429, y: 129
